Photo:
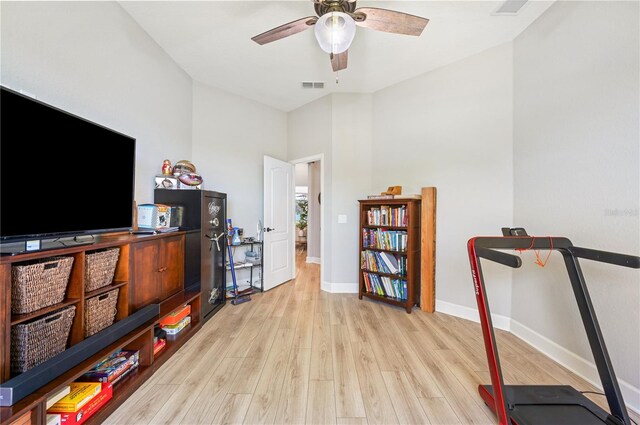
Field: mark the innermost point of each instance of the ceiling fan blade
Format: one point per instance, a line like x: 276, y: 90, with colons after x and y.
x: 285, y: 30
x: 390, y: 21
x: 339, y: 61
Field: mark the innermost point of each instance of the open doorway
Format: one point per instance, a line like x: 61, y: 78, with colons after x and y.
x: 308, y: 211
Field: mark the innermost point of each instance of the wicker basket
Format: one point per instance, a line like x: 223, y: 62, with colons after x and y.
x: 37, y: 341
x: 100, y: 268
x: 39, y: 284
x: 100, y: 312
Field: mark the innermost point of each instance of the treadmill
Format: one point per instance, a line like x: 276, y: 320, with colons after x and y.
x: 547, y: 404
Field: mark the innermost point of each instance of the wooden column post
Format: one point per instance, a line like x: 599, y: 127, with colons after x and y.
x: 428, y: 250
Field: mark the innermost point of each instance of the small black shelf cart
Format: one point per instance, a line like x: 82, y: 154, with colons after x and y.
x: 251, y: 266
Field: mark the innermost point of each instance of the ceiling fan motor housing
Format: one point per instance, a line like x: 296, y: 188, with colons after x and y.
x: 334, y: 6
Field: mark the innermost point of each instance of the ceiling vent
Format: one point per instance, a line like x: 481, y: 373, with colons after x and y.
x: 510, y: 8
x: 312, y: 85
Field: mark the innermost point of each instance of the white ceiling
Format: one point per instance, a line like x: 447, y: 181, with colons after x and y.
x: 211, y: 41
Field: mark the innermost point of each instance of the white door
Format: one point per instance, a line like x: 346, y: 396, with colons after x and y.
x: 279, y: 242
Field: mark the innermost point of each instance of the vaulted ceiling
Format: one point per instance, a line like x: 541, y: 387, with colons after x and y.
x: 211, y: 41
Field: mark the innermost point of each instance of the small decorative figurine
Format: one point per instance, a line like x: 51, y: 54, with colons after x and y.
x: 166, y: 167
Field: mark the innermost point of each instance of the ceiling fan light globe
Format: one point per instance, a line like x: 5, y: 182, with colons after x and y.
x: 335, y: 31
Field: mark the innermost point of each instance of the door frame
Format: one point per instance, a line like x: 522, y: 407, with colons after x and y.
x: 306, y: 160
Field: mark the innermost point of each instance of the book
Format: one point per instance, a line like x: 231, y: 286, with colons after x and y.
x: 58, y: 396
x: 176, y: 315
x: 159, y: 346
x: 81, y: 393
x: 411, y: 196
x: 82, y: 415
x: 110, y: 368
x: 54, y: 419
x: 175, y: 329
x: 123, y: 375
x: 379, y: 196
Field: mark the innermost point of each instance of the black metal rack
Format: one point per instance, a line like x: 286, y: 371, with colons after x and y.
x: 250, y: 266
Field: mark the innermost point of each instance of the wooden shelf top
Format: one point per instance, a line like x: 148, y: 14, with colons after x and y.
x: 20, y: 318
x: 395, y: 301
x: 101, y: 241
x: 391, y: 275
x: 394, y: 201
x: 104, y: 289
x: 179, y: 299
x: 375, y: 226
x: 368, y: 248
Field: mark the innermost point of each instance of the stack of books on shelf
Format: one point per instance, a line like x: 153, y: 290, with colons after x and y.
x: 383, y: 262
x: 159, y: 339
x: 113, y: 368
x: 387, y: 216
x: 177, y: 320
x: 385, y: 286
x: 83, y: 400
x: 390, y: 240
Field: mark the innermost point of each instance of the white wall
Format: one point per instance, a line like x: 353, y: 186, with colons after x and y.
x: 351, y: 171
x: 231, y: 135
x: 452, y: 128
x: 93, y: 60
x: 309, y: 132
x: 302, y: 174
x: 338, y: 126
x: 577, y: 174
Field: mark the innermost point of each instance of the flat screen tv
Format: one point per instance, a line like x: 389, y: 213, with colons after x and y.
x: 60, y: 175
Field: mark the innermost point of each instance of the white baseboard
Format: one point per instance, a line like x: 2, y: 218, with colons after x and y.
x: 581, y: 367
x: 325, y: 286
x: 313, y: 260
x: 499, y: 321
x: 339, y: 288
x: 344, y: 288
x: 576, y: 364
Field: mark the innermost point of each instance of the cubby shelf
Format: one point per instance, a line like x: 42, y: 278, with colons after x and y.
x: 395, y: 301
x: 149, y: 271
x: 391, y: 275
x: 371, y: 226
x: 20, y: 318
x: 104, y: 289
x: 385, y: 250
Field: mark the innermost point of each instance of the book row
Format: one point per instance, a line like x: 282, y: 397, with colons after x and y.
x: 385, y: 286
x: 387, y: 216
x: 76, y: 403
x: 384, y: 239
x: 383, y: 262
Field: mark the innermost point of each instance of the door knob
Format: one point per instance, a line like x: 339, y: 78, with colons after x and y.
x: 269, y: 229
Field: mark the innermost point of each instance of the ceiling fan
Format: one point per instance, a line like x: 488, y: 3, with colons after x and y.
x: 335, y: 26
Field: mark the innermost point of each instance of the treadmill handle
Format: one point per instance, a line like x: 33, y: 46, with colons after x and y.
x: 606, y: 257
x: 510, y: 260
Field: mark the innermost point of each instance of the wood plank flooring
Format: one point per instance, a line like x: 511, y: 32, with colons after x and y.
x: 297, y: 355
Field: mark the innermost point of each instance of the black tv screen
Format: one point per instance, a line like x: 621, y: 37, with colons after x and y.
x: 61, y: 174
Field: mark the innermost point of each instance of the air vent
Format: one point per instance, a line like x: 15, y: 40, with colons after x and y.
x: 312, y: 85
x: 510, y: 8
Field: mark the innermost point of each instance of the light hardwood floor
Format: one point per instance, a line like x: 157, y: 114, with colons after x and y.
x: 298, y: 355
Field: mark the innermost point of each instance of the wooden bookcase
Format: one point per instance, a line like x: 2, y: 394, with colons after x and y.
x: 407, y: 253
x: 149, y: 271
